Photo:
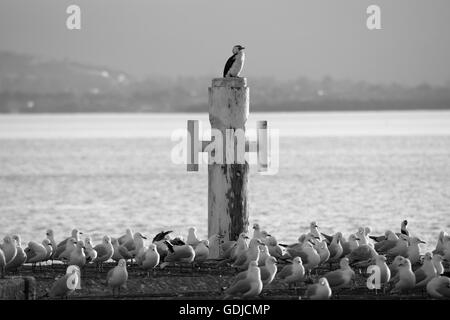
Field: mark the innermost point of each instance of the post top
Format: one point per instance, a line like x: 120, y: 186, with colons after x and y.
x: 229, y: 82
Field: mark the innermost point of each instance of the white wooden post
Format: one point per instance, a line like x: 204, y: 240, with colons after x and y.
x: 227, y: 183
x: 227, y: 169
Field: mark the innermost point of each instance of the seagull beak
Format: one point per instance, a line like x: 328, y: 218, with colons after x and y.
x: 242, y: 48
x: 245, y: 237
x: 80, y: 232
x: 143, y: 237
x: 357, y: 239
x: 422, y: 241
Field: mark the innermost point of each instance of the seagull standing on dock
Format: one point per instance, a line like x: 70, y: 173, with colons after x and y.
x: 319, y: 291
x: 235, y: 63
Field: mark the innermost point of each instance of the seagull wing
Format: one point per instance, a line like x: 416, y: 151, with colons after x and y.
x: 286, y: 271
x: 239, y: 288
x: 328, y: 238
x: 335, y: 278
x: 420, y: 275
x: 312, y: 289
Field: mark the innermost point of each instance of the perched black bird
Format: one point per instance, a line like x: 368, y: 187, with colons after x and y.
x: 235, y: 63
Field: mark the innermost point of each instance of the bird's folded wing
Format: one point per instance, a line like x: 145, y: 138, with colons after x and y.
x: 239, y: 287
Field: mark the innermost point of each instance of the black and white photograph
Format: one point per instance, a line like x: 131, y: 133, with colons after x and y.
x: 223, y: 156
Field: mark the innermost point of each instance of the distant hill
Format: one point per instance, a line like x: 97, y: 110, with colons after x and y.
x: 34, y: 84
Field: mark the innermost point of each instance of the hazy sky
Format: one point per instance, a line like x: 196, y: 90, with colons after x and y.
x: 284, y: 39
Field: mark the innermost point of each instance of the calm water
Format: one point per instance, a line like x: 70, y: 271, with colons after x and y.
x: 103, y: 173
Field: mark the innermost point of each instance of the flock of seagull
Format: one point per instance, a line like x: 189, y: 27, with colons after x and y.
x: 255, y: 259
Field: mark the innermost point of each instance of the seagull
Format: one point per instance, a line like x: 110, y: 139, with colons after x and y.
x: 385, y: 272
x: 182, y: 253
x: 426, y: 272
x: 268, y: 271
x: 2, y: 264
x: 235, y: 63
x: 292, y: 273
x: 314, y: 230
x: 151, y: 258
x: 393, y: 267
x: 252, y: 253
x: 322, y: 250
x: 350, y: 245
x: 275, y: 249
x: 407, y: 279
x: 214, y: 245
x: 201, y: 251
x: 138, y: 240
x: 439, y: 287
x: 66, y: 284
x: 403, y: 230
x: 140, y: 250
x: 362, y: 253
x: 49, y: 247
x: 401, y: 248
x: 75, y: 235
x: 35, y: 252
x: 9, y: 248
x: 192, y: 238
x: 413, y: 250
x: 127, y: 240
x: 20, y: 257
x: 342, y: 277
x: 440, y: 243
x: 263, y: 255
x: 117, y: 277
x: 257, y: 232
x: 105, y: 251
x: 91, y: 254
x: 319, y: 291
x: 77, y: 256
x: 335, y: 248
x: 69, y: 247
x: 437, y: 262
x: 305, y: 250
x: 241, y: 246
x: 50, y: 236
x: 120, y: 251
x: 249, y: 287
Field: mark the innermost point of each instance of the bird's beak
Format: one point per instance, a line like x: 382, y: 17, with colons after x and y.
x: 245, y: 237
x: 317, y: 238
x: 143, y: 237
x: 80, y: 232
x: 357, y: 239
x: 75, y: 242
x: 422, y: 241
x: 269, y: 235
x: 242, y: 48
